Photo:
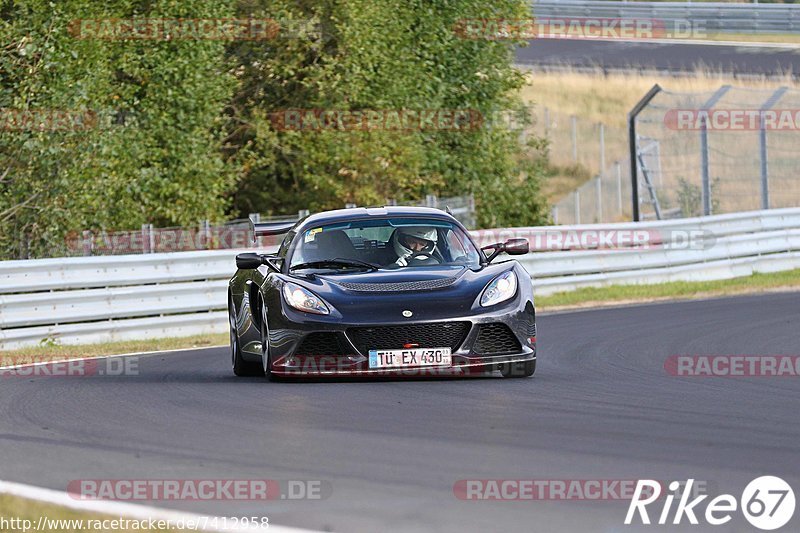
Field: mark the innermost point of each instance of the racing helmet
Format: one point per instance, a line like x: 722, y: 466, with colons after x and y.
x: 405, y: 236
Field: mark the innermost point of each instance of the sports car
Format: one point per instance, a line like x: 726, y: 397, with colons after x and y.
x: 374, y: 291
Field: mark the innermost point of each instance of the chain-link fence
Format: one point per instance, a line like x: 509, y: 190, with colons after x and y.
x: 207, y: 236
x: 722, y: 151
x: 601, y: 150
x: 604, y: 198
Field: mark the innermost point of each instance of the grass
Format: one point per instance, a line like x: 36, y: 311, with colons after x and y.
x: 790, y: 38
x: 617, y: 294
x: 13, y: 507
x: 51, y: 352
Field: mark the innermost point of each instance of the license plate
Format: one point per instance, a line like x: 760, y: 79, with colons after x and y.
x: 410, y: 357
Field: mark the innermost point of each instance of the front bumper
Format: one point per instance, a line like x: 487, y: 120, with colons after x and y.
x: 291, y: 355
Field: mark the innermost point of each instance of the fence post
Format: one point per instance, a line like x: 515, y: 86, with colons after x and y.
x: 554, y: 215
x: 303, y: 213
x: 349, y: 205
x: 431, y: 200
x: 602, y: 149
x: 546, y: 121
x: 618, y: 169
x: 599, y: 192
x: 145, y: 239
x: 255, y: 218
x: 762, y: 137
x: 633, y: 149
x: 574, y: 122
x: 87, y: 242
x: 24, y: 245
x: 704, y: 146
x: 391, y: 201
x: 577, y: 206
x: 205, y: 231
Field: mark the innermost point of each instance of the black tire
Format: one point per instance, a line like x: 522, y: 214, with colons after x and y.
x: 241, y: 367
x: 518, y: 370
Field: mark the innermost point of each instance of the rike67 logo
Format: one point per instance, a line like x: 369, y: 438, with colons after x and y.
x: 767, y: 502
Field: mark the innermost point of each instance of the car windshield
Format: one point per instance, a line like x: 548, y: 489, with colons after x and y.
x: 390, y: 243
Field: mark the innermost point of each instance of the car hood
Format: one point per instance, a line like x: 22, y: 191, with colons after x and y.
x: 430, y: 292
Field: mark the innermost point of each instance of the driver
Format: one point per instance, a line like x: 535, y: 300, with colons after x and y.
x: 409, y: 241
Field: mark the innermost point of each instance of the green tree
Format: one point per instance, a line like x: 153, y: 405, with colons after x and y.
x: 378, y: 54
x: 153, y: 154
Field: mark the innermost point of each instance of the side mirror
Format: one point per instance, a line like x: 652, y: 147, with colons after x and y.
x: 516, y: 247
x: 248, y: 261
x: 511, y: 247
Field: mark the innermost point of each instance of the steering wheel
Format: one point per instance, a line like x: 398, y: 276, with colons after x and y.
x: 422, y: 258
x: 414, y: 259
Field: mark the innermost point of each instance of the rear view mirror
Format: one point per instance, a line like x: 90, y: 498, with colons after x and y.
x: 248, y: 261
x: 516, y: 247
x: 511, y: 247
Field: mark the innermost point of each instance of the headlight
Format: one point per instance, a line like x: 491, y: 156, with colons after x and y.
x: 500, y: 289
x: 303, y: 299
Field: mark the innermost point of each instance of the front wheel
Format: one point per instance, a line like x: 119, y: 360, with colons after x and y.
x: 241, y: 367
x: 518, y: 369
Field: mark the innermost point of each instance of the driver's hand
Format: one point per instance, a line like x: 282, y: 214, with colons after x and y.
x: 403, y: 261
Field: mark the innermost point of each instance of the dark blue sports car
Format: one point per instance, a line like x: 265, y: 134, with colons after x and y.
x: 373, y: 291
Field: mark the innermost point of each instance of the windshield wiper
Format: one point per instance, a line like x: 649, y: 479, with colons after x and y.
x: 338, y: 262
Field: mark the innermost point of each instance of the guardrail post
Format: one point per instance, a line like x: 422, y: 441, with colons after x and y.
x: 554, y: 214
x: 391, y: 201
x: 577, y: 206
x: 303, y: 213
x: 349, y: 205
x: 431, y: 200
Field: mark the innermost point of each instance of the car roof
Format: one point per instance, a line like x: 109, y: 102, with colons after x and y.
x: 361, y: 213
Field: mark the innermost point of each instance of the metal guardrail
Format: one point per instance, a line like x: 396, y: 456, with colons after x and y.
x: 107, y: 298
x: 713, y: 17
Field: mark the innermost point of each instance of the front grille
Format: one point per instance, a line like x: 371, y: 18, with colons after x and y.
x: 320, y: 343
x: 496, y: 339
x: 401, y: 286
x: 436, y: 335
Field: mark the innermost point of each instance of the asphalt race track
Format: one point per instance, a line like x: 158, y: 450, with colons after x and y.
x: 671, y: 57
x: 600, y: 407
